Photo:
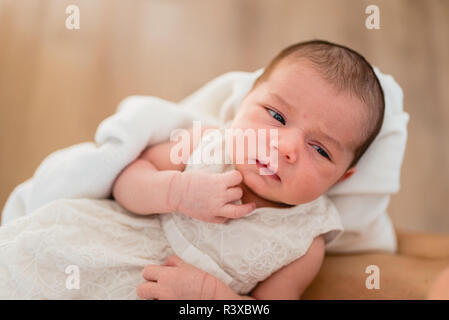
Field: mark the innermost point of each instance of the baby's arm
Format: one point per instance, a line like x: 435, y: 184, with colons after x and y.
x: 154, y: 184
x: 288, y: 283
x: 141, y: 187
x: 291, y: 281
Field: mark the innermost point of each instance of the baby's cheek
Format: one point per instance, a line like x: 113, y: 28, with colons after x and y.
x: 304, y: 190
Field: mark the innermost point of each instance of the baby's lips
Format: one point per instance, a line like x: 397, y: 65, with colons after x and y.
x: 267, y: 169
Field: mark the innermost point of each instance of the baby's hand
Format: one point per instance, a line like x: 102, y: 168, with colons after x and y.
x: 206, y: 196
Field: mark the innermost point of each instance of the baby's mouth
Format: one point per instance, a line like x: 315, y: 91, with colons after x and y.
x: 267, y: 170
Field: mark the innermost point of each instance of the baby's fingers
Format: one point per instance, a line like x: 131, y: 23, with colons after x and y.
x: 234, y: 211
x: 232, y: 178
x: 233, y: 194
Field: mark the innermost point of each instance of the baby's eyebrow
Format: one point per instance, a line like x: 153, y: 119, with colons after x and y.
x: 281, y: 100
x: 335, y: 142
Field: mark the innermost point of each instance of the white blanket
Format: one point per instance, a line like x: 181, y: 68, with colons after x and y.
x: 88, y: 170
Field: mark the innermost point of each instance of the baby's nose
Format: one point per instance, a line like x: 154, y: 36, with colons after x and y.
x: 290, y: 154
x: 288, y: 150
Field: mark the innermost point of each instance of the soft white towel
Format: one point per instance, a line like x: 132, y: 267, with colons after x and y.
x: 88, y: 170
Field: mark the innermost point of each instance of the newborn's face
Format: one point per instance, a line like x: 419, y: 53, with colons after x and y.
x: 317, y: 127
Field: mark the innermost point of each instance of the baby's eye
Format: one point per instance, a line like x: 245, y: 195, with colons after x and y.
x: 277, y: 116
x: 321, y: 151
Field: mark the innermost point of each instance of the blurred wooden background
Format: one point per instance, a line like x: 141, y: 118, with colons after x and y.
x: 56, y: 84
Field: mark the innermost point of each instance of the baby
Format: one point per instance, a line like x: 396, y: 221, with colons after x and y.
x: 265, y: 234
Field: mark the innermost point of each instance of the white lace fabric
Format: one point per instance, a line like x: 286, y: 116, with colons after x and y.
x: 110, y: 246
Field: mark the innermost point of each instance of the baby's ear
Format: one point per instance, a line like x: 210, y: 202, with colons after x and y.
x: 347, y: 174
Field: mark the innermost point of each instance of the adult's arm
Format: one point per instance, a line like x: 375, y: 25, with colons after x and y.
x: 408, y: 274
